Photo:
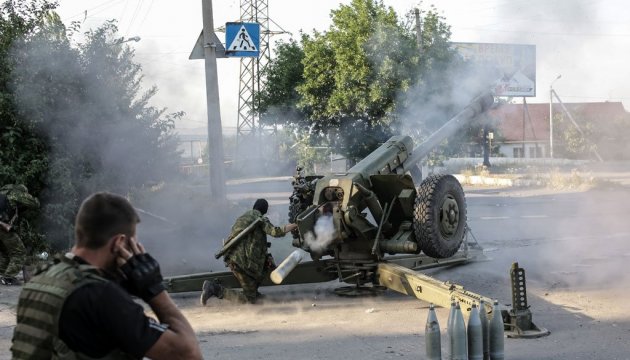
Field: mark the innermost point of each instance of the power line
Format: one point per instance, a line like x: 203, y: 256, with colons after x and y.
x: 146, y: 14
x: 136, y: 11
x: 542, y: 32
x: 106, y: 4
x: 606, y: 98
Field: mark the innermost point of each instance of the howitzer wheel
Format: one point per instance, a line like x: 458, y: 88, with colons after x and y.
x: 295, y: 208
x: 440, y: 216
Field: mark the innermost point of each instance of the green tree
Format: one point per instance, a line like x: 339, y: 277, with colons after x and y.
x: 353, y: 73
x: 83, y: 106
x: 571, y: 143
x: 362, y: 78
x: 22, y: 151
x: 277, y: 100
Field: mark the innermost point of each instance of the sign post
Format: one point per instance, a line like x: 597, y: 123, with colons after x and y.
x: 215, y: 130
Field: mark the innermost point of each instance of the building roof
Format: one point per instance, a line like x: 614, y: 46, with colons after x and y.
x: 509, y: 118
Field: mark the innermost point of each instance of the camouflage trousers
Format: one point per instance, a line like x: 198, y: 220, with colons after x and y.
x: 12, y: 254
x: 249, y: 284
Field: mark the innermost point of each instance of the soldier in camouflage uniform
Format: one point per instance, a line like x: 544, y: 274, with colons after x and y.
x: 248, y: 259
x: 13, y: 198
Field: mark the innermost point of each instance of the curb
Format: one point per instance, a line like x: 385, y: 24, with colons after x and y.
x: 484, y: 180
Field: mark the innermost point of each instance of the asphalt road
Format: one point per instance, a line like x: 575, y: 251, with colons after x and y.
x: 573, y: 246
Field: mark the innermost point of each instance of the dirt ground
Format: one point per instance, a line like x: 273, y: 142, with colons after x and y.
x: 309, y: 322
x: 588, y: 316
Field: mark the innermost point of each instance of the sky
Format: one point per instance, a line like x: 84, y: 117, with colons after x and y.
x: 587, y: 42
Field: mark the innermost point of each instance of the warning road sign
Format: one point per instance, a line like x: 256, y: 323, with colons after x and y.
x: 243, y: 39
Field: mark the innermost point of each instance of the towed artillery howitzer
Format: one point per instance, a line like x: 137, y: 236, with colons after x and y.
x: 351, y: 246
x: 404, y: 220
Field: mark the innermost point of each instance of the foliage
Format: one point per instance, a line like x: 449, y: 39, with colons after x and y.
x: 76, y: 119
x: 298, y: 148
x: 22, y: 151
x: 277, y: 100
x: 603, y: 134
x: 353, y: 74
x: 573, y: 144
x: 363, y: 80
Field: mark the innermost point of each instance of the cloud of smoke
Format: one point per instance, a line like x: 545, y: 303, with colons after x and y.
x: 87, y: 102
x: 324, y: 234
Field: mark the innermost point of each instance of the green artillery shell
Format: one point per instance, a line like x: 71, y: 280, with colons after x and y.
x: 483, y: 316
x: 459, y: 348
x: 449, y: 327
x: 432, y: 336
x: 496, y: 333
x: 475, y: 335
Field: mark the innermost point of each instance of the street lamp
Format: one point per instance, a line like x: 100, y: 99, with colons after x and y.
x: 551, y: 115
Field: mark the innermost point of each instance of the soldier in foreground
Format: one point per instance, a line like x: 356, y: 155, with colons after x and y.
x: 13, y: 200
x: 81, y: 307
x: 248, y: 259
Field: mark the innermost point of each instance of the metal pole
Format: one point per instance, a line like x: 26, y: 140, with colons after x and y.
x: 215, y: 134
x: 486, y: 147
x: 331, y: 160
x: 524, y: 154
x: 550, y: 122
x: 551, y: 116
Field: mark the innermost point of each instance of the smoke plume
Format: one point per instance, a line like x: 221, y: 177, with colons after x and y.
x: 324, y: 234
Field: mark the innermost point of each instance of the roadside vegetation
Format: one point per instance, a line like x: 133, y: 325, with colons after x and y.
x: 74, y: 118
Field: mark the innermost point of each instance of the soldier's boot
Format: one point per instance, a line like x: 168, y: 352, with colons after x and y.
x: 210, y: 289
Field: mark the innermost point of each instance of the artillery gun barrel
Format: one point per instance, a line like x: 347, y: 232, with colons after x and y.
x: 480, y: 104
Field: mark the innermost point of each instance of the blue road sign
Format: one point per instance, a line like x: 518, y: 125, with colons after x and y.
x: 242, y: 39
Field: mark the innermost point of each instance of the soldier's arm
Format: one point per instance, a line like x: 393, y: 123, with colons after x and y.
x: 272, y: 230
x: 179, y: 340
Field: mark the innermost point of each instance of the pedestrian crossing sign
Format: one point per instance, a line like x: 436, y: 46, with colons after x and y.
x: 242, y: 39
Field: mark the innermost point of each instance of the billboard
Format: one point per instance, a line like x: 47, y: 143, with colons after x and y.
x: 512, y: 65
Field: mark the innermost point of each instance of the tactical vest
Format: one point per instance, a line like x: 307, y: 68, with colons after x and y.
x: 36, y: 335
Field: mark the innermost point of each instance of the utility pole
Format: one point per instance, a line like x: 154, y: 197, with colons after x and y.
x: 215, y: 132
x: 551, y: 116
x: 486, y: 146
x: 523, y: 147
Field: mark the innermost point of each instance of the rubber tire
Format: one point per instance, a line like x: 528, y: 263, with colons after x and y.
x: 294, y: 211
x: 432, y: 193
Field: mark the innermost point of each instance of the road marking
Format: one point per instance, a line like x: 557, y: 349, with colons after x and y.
x: 507, y: 217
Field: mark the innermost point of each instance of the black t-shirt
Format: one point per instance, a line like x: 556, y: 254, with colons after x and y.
x: 101, y: 317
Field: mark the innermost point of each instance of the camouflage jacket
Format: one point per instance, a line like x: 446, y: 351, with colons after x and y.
x: 18, y: 197
x: 250, y: 253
